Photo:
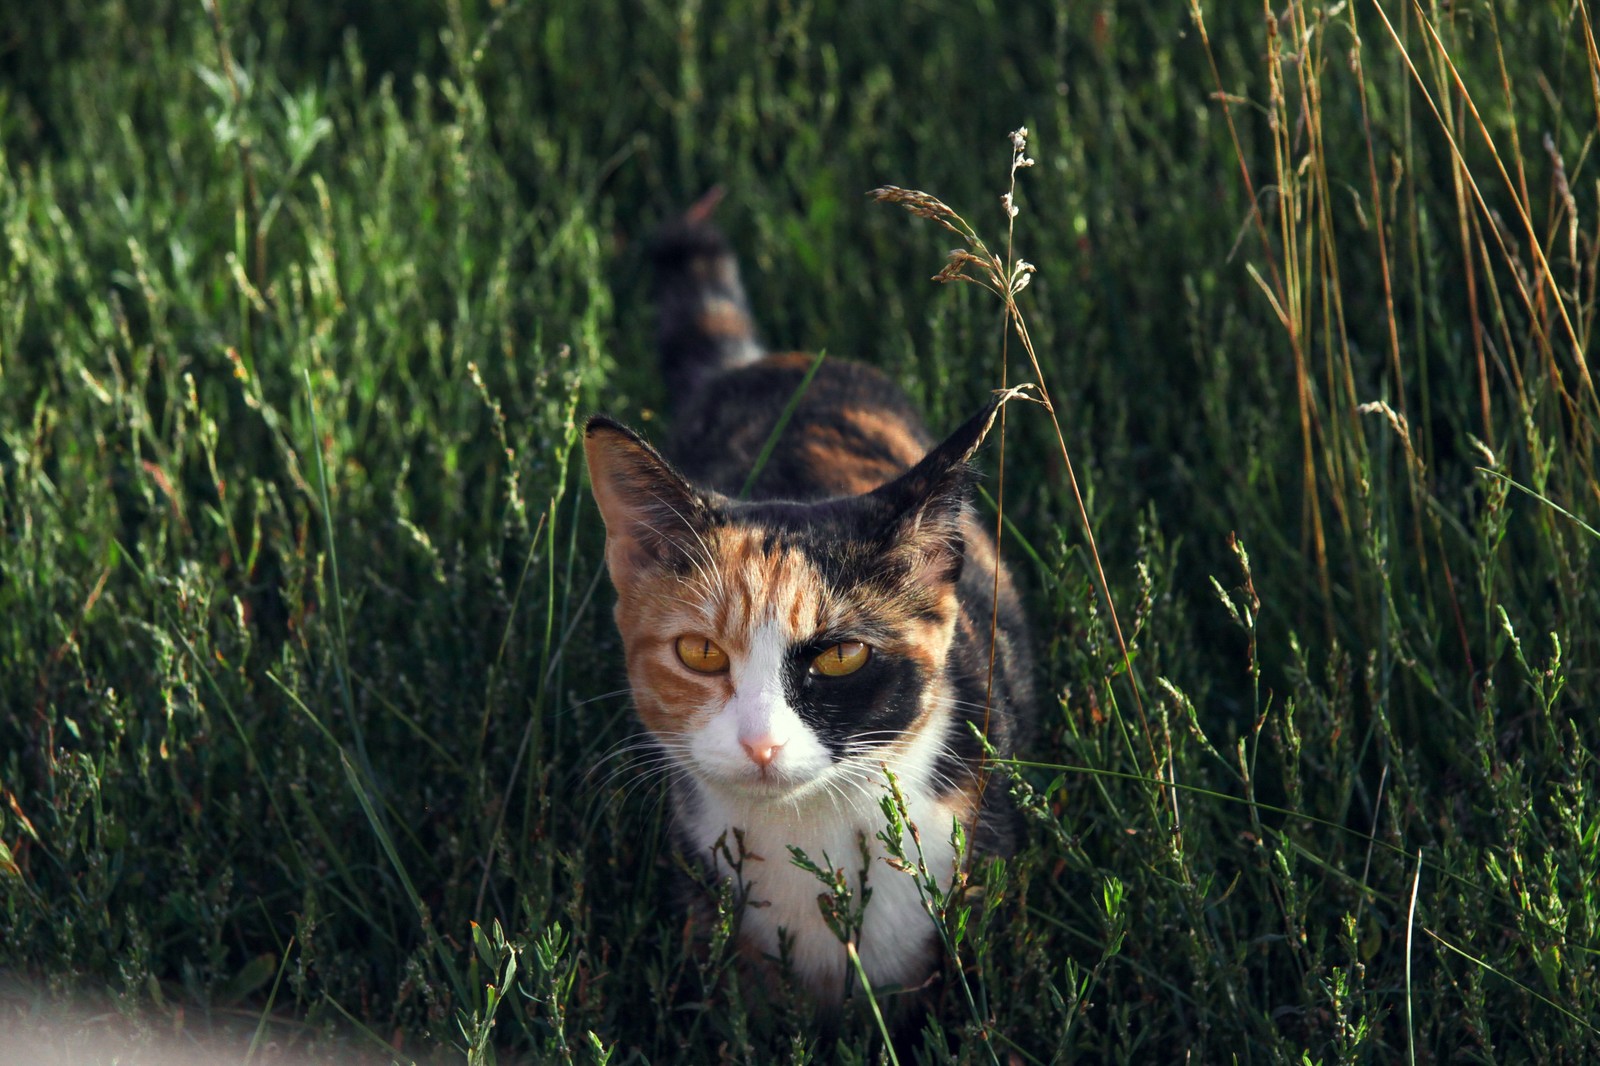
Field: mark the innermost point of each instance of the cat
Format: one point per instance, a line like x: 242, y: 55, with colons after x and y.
x: 786, y: 643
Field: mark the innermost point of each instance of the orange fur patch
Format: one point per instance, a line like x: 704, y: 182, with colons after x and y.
x: 835, y: 461
x: 738, y: 585
x: 901, y: 439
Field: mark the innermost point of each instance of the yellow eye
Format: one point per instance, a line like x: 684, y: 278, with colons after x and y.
x: 843, y: 658
x: 702, y: 656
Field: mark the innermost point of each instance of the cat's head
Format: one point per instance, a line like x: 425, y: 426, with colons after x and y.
x: 774, y: 646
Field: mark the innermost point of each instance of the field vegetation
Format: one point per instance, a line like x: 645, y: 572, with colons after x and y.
x: 313, y: 737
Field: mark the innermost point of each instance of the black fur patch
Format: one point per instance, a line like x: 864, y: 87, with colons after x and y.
x: 871, y: 705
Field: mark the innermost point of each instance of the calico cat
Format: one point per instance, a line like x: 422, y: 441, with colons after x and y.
x: 786, y: 644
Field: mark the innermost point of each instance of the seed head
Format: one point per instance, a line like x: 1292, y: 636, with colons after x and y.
x: 916, y: 201
x: 955, y: 267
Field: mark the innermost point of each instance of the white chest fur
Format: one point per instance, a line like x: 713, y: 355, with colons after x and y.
x: 897, y: 935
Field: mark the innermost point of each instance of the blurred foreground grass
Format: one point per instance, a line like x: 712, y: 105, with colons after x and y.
x: 307, y: 678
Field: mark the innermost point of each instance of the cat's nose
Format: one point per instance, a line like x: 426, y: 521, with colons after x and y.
x: 762, y: 751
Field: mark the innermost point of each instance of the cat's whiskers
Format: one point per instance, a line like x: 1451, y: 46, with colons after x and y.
x: 865, y: 781
x: 576, y: 705
x: 971, y: 705
x: 665, y: 773
x: 708, y: 580
x: 835, y: 786
x: 698, y: 606
x: 613, y: 694
x: 715, y: 578
x: 646, y: 756
x: 633, y: 757
x: 640, y: 761
x: 642, y: 740
x: 645, y: 768
x: 926, y: 771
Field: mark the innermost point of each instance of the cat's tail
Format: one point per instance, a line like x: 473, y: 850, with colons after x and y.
x: 703, y: 323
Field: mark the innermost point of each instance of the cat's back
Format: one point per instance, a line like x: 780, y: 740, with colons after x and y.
x: 850, y: 428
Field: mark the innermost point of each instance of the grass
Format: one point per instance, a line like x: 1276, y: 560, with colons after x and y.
x: 309, y: 695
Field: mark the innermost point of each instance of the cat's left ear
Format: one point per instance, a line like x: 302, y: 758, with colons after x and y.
x: 928, y: 501
x: 652, y: 513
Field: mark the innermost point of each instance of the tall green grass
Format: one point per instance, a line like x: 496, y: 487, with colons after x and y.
x: 312, y: 734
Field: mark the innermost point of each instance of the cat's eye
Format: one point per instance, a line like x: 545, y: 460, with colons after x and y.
x: 843, y: 658
x: 701, y: 655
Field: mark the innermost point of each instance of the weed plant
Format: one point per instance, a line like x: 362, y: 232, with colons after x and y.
x: 312, y: 731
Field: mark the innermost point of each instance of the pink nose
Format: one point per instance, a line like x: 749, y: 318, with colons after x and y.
x: 762, y: 751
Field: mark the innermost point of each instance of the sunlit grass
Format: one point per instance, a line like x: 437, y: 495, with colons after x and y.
x: 305, y: 647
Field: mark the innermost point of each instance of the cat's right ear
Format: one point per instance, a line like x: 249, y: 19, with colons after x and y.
x: 652, y: 514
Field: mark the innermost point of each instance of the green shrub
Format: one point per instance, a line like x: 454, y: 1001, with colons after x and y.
x: 311, y: 724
